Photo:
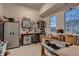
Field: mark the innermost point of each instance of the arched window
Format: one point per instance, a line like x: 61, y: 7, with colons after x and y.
x: 53, y: 23
x: 72, y: 20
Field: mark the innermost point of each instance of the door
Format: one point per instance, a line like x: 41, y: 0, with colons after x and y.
x: 11, y: 34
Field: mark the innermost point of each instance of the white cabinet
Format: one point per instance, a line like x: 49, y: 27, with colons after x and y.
x: 11, y: 34
x: 26, y: 39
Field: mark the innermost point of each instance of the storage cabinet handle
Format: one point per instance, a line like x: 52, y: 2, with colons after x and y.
x: 13, y: 33
x: 10, y: 33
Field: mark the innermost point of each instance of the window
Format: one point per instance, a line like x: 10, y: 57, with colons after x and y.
x: 53, y: 23
x: 72, y: 20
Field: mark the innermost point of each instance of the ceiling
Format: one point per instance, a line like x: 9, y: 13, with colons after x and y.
x: 58, y: 8
x: 36, y: 6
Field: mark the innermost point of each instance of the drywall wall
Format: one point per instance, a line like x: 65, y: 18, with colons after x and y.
x: 60, y: 20
x: 1, y: 9
x: 17, y: 11
x: 47, y: 29
x: 13, y: 10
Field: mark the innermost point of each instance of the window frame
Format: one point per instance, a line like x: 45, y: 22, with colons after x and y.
x: 65, y: 19
x: 50, y: 23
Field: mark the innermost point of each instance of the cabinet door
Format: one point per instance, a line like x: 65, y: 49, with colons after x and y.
x: 26, y: 40
x: 11, y: 34
x: 15, y: 34
x: 70, y: 39
x: 78, y: 40
x: 7, y: 34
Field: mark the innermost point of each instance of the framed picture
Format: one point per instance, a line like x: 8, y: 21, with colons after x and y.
x: 26, y: 23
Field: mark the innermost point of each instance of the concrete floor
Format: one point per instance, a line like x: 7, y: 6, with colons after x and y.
x: 28, y: 50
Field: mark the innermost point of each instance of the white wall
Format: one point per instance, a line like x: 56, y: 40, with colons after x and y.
x: 1, y: 9
x: 47, y: 29
x: 17, y: 11
x: 12, y: 10
x: 59, y: 15
x: 60, y: 20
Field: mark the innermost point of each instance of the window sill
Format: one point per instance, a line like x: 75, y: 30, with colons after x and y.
x: 72, y: 34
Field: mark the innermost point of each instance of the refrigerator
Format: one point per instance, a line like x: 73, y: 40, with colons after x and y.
x: 10, y: 32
